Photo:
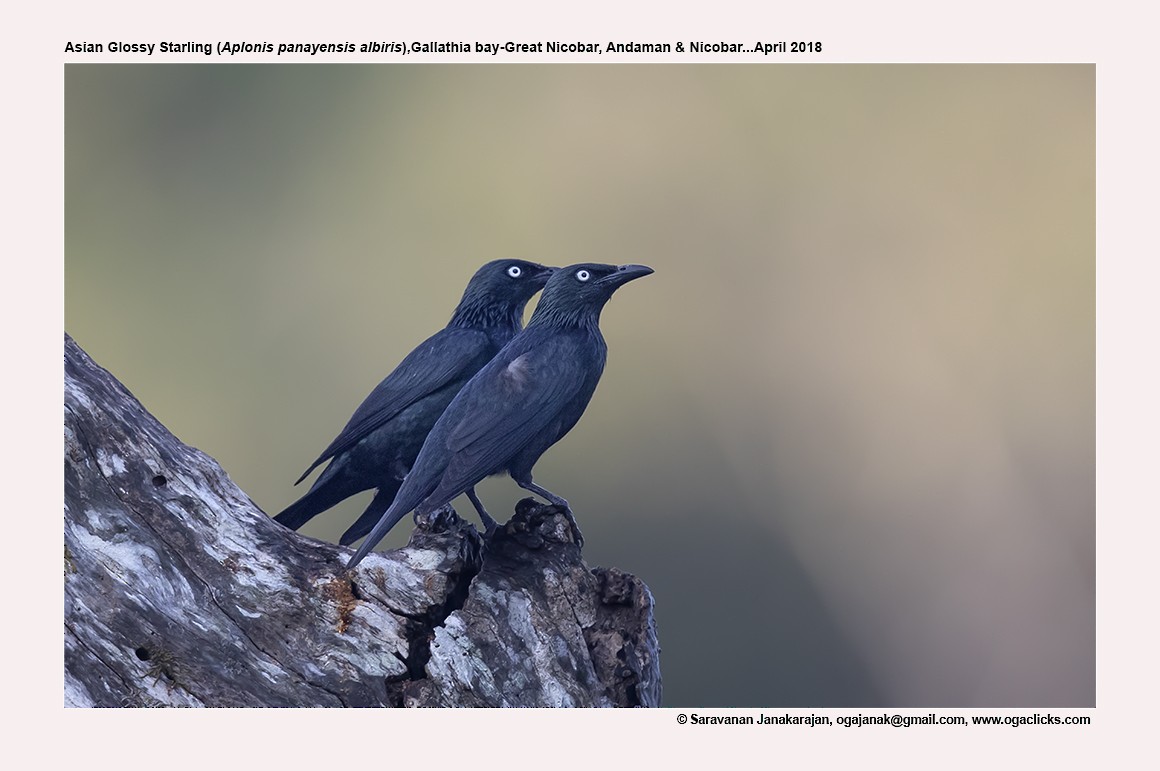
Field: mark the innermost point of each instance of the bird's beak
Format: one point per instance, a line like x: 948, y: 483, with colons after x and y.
x: 626, y: 273
x: 543, y: 274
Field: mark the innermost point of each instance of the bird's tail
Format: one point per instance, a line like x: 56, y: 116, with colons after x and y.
x: 379, y: 531
x: 319, y: 499
x: 374, y: 511
x: 417, y: 485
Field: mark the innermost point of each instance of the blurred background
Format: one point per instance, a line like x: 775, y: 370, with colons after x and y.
x: 846, y: 432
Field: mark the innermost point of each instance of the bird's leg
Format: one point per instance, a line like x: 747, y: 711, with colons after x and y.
x: 528, y: 484
x: 489, y: 524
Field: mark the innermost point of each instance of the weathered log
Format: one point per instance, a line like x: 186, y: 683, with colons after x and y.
x: 179, y: 591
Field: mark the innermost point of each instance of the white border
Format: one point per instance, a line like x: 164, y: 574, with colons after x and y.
x: 1117, y: 36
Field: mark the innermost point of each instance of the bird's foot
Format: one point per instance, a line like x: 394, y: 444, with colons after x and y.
x: 561, y: 503
x: 537, y: 525
x: 490, y: 526
x: 438, y: 520
x: 489, y: 523
x: 576, y: 534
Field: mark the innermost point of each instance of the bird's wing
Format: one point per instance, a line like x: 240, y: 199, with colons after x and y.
x: 512, y: 400
x: 447, y: 355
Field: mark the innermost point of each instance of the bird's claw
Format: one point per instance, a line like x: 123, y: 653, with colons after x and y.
x: 437, y: 520
x: 489, y: 524
x: 576, y: 534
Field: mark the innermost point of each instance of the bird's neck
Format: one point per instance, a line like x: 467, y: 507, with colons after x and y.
x: 486, y: 315
x: 584, y: 318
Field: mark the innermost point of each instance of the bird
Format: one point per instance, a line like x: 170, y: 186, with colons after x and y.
x: 520, y: 404
x: 382, y: 438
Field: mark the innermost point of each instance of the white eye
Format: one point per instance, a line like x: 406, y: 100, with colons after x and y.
x: 583, y: 275
x: 515, y: 271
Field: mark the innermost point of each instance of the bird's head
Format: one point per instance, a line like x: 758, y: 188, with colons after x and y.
x: 499, y: 291
x: 577, y: 293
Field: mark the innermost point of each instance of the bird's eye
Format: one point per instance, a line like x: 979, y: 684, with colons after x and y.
x: 583, y: 275
x: 515, y: 271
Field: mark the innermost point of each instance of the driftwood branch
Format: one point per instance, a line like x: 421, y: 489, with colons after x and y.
x: 179, y: 591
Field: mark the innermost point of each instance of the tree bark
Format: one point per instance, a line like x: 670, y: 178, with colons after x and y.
x: 179, y: 591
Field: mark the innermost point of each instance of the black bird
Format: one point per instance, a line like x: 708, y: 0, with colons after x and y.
x: 520, y: 404
x: 382, y: 438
